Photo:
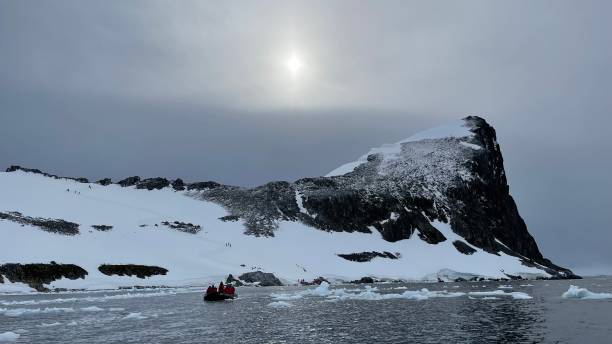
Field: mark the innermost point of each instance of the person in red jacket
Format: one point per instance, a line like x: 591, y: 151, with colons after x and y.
x: 211, y: 289
x: 221, y: 288
x: 230, y: 290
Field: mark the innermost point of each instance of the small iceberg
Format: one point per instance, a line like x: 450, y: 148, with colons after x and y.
x: 92, y: 309
x: 517, y: 295
x: 575, y: 292
x: 134, y: 316
x: 9, y: 336
x: 280, y: 304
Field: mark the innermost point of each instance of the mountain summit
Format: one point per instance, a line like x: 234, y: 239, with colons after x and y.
x: 435, y: 206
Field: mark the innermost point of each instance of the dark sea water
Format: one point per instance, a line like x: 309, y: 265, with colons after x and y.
x: 180, y: 316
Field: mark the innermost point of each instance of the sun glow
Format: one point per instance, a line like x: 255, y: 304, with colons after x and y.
x: 294, y: 64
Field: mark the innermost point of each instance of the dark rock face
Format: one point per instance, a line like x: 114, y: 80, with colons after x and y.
x: 104, y: 182
x: 140, y: 271
x: 102, y: 228
x: 367, y: 256
x: 58, y: 226
x: 129, y: 181
x: 153, y: 183
x: 183, y: 226
x: 265, y: 279
x: 36, y: 275
x: 14, y: 168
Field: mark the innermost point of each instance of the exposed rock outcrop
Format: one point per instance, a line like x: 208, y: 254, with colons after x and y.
x: 463, y: 247
x: 14, y: 168
x: 129, y: 181
x: 102, y: 228
x: 263, y: 279
x: 153, y: 183
x: 140, y: 271
x: 178, y: 184
x: 367, y: 256
x: 37, y: 275
x: 58, y: 226
x: 104, y: 182
x: 183, y: 226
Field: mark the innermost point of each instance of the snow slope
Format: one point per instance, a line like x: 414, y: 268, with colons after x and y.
x: 456, y: 129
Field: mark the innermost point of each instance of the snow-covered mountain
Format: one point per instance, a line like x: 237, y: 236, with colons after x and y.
x: 433, y: 206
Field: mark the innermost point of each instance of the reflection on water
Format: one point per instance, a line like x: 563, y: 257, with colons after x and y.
x: 489, y: 321
x: 183, y: 318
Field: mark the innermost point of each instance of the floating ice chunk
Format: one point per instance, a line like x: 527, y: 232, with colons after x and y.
x: 575, y: 292
x: 490, y: 298
x: 517, y: 295
x: 369, y: 293
x: 9, y: 336
x: 90, y: 298
x: 49, y: 324
x: 286, y: 297
x: 526, y: 285
x: 504, y: 286
x: 280, y: 304
x: 400, y: 288
x: 25, y: 311
x: 116, y: 309
x: 92, y: 309
x: 134, y: 316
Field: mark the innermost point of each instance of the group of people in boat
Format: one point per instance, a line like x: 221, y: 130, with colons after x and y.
x: 223, y: 289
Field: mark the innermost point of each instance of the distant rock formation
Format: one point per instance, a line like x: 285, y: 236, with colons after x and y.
x: 264, y: 279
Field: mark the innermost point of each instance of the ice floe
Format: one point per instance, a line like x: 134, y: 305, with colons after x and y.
x: 92, y: 309
x: 280, y: 304
x: 25, y: 311
x: 134, y: 316
x: 369, y: 293
x: 517, y: 295
x: 575, y: 292
x: 89, y: 298
x: 49, y: 324
x: 7, y: 337
x: 372, y: 294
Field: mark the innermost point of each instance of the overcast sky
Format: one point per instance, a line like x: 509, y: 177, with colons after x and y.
x: 201, y: 90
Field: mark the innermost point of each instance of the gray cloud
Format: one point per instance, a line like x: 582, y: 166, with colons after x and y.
x: 197, y: 90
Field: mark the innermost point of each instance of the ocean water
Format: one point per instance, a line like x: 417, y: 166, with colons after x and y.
x: 351, y: 315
